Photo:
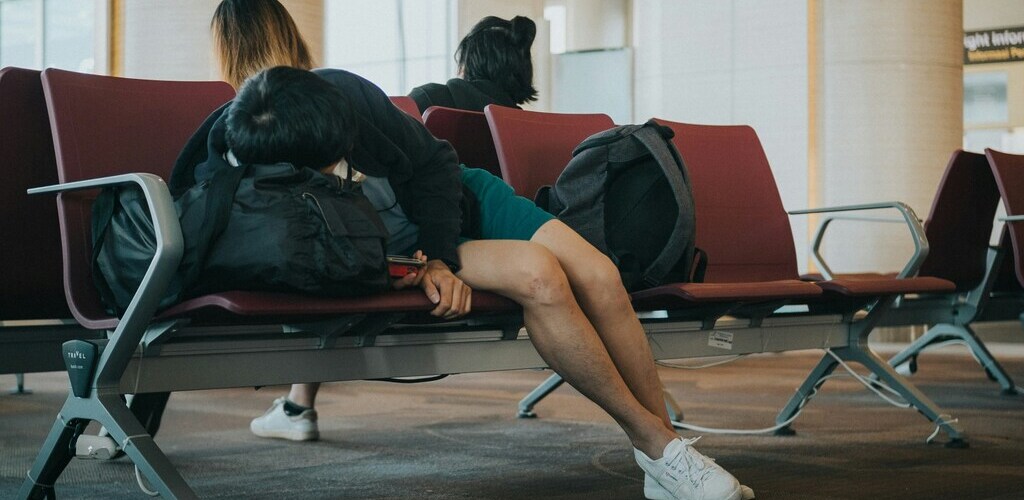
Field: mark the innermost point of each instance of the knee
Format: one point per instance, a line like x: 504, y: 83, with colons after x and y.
x: 602, y: 280
x: 543, y: 282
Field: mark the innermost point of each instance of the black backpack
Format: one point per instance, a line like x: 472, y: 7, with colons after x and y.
x: 627, y: 192
x: 253, y: 227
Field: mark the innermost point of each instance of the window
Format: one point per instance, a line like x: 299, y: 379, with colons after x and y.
x: 397, y: 44
x: 49, y: 33
x: 985, y: 98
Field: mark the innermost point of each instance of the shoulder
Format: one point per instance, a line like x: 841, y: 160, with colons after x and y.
x: 345, y: 79
x: 431, y: 94
x: 431, y: 90
x: 350, y: 83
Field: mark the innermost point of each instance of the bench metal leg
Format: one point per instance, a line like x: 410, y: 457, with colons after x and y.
x: 939, y: 332
x: 125, y: 429
x: 810, y: 385
x: 54, y: 457
x: 547, y: 387
x: 19, y: 388
x: 885, y: 373
x: 857, y: 350
x: 908, y: 391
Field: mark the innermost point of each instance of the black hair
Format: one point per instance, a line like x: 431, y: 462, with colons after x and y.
x: 289, y: 115
x: 498, y: 50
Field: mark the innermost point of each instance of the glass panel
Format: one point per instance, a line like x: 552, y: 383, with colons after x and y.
x: 363, y: 36
x: 985, y: 98
x: 359, y: 32
x: 18, y: 27
x: 425, y: 70
x: 426, y: 28
x: 69, y: 35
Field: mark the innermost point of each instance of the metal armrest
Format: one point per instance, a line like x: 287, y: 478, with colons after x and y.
x: 909, y: 217
x: 1012, y: 218
x: 169, y: 248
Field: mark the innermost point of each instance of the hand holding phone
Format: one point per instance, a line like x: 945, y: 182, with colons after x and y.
x: 399, y: 266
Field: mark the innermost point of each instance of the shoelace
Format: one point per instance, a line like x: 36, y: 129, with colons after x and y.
x: 694, y: 469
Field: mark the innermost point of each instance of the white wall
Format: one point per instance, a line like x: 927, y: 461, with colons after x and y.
x: 366, y: 37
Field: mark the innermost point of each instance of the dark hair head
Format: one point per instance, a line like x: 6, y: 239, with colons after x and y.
x: 253, y: 35
x: 289, y: 115
x: 499, y: 51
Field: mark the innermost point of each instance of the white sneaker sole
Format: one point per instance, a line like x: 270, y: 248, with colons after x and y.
x: 655, y: 491
x: 290, y: 435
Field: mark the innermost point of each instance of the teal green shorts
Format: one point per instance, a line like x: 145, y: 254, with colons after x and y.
x: 503, y: 214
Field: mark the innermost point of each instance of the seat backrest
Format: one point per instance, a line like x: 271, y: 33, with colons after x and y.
x: 1008, y: 170
x: 1006, y: 275
x: 30, y: 277
x: 533, y: 147
x: 741, y: 222
x: 468, y: 133
x: 959, y: 225
x: 106, y: 126
x: 407, y: 104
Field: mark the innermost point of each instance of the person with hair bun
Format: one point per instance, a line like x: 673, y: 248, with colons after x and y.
x: 494, y: 66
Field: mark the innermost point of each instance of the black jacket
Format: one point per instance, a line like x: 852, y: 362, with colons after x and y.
x: 472, y: 95
x: 422, y: 170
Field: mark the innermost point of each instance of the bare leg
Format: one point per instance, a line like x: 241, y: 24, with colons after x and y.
x: 304, y: 394
x: 596, y: 283
x: 531, y: 275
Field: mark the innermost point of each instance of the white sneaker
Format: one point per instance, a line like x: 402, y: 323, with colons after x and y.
x: 655, y: 491
x: 683, y: 473
x: 275, y: 423
x: 91, y: 447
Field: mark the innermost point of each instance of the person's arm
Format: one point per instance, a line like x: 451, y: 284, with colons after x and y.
x: 422, y: 98
x: 422, y: 170
x: 432, y: 94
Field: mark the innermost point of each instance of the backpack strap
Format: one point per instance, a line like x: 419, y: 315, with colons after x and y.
x: 219, y: 197
x: 578, y: 195
x: 102, y: 212
x: 671, y: 163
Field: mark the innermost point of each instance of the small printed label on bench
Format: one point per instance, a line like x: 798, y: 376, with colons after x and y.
x: 721, y: 340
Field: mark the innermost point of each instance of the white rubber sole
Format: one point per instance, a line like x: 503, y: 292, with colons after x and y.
x: 291, y: 435
x: 655, y: 491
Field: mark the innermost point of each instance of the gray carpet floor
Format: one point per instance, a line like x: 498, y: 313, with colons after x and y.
x: 459, y: 438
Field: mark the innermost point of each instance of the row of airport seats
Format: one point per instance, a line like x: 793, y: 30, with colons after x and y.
x: 104, y: 134
x: 734, y: 180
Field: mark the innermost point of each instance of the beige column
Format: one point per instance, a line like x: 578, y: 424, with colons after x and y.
x: 309, y: 16
x: 171, y: 40
x: 886, y: 114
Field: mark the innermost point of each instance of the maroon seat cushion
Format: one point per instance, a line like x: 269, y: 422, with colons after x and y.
x: 960, y: 222
x: 106, y: 126
x: 683, y: 295
x: 408, y: 105
x: 741, y: 222
x: 257, y: 304
x: 1008, y: 170
x: 468, y: 133
x: 865, y: 286
x: 31, y: 284
x: 534, y: 147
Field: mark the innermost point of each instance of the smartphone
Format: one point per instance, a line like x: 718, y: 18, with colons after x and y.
x: 399, y: 266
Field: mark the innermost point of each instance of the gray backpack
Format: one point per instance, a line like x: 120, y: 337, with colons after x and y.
x: 627, y: 192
